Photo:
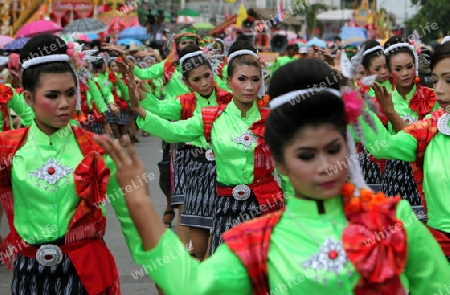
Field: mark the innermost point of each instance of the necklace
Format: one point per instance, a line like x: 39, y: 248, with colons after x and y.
x: 442, y: 124
x: 52, y: 170
x: 331, y: 255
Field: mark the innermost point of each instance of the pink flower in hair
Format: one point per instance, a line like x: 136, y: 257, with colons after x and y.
x: 70, y: 52
x: 353, y: 106
x: 262, y: 60
x: 70, y: 45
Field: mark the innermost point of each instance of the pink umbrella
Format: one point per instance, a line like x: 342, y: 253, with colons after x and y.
x: 5, y: 40
x: 82, y: 37
x: 38, y: 27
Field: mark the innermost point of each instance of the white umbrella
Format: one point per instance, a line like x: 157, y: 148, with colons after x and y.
x: 185, y: 20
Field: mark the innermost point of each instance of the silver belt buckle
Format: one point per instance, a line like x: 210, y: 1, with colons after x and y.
x: 241, y: 192
x: 209, y: 155
x: 49, y: 255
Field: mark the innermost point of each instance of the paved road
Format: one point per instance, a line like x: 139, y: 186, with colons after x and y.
x: 149, y: 149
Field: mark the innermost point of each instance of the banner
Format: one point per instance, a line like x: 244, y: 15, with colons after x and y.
x: 72, y: 6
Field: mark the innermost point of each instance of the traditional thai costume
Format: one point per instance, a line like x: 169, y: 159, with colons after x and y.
x: 373, y: 168
x: 422, y: 143
x: 316, y: 247
x: 398, y: 178
x: 101, y: 80
x: 200, y: 166
x: 121, y: 97
x: 93, y: 106
x: 53, y: 189
x: 9, y: 99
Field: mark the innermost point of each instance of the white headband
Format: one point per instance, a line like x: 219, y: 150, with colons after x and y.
x: 291, y: 96
x: 241, y: 52
x: 262, y: 89
x: 407, y: 45
x: 54, y: 58
x: 45, y: 59
x: 189, y: 55
x: 373, y: 49
x: 446, y: 39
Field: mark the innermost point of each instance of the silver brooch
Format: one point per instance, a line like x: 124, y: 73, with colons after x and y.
x: 331, y: 258
x: 246, y: 138
x: 51, y: 172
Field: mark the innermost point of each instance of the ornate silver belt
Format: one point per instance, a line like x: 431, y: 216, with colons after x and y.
x: 49, y: 255
x: 241, y: 192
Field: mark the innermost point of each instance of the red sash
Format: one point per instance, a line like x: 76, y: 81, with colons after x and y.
x: 83, y: 244
x: 264, y: 186
x: 250, y: 242
x: 188, y: 101
x: 6, y: 93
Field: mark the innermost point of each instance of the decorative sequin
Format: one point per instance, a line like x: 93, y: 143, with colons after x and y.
x: 442, y: 124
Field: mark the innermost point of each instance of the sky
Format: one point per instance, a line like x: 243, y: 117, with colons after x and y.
x: 398, y: 8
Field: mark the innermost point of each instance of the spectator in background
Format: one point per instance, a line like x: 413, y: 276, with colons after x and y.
x: 338, y: 42
x: 424, y: 68
x: 155, y: 27
x: 4, y: 73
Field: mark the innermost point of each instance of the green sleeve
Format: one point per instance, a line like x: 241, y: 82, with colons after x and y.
x: 106, y: 92
x: 171, y: 132
x: 222, y: 273
x: 123, y: 89
x: 96, y: 95
x: 155, y: 71
x: 427, y: 269
x: 18, y: 104
x: 383, y: 145
x: 169, y: 109
x: 114, y: 196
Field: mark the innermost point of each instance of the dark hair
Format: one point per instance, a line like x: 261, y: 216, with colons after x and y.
x: 441, y: 52
x: 395, y: 40
x: 313, y: 109
x: 192, y: 62
x: 245, y: 59
x: 367, y: 59
x: 39, y: 46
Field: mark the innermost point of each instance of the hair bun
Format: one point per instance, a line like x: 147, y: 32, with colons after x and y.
x: 43, y: 45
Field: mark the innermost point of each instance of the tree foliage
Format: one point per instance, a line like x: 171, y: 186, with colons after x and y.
x: 431, y: 11
x: 310, y: 11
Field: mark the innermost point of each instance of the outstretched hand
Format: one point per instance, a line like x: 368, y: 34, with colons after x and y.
x: 130, y: 169
x: 133, y: 180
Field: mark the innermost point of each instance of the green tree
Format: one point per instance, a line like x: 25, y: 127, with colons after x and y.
x: 310, y: 12
x: 431, y: 11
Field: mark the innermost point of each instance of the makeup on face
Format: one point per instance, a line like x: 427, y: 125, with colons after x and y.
x: 403, y: 69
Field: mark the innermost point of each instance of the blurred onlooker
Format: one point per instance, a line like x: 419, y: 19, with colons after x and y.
x: 338, y: 42
x: 424, y: 67
x: 303, y: 52
x: 4, y: 73
x: 155, y: 27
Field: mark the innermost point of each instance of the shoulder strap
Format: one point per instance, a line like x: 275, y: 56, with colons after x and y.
x: 86, y: 141
x: 188, y: 103
x: 209, y: 115
x: 423, y: 131
x: 250, y: 242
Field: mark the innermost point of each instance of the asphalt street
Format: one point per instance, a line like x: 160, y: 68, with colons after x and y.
x: 149, y: 150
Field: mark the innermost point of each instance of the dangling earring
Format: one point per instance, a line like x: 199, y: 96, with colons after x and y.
x: 416, y: 79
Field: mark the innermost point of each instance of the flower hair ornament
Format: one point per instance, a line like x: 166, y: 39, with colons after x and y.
x: 262, y: 89
x: 76, y: 57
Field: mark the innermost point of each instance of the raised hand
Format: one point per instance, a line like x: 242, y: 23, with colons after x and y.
x: 384, y: 98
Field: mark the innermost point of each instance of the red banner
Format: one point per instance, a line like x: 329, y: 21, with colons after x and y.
x: 72, y: 6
